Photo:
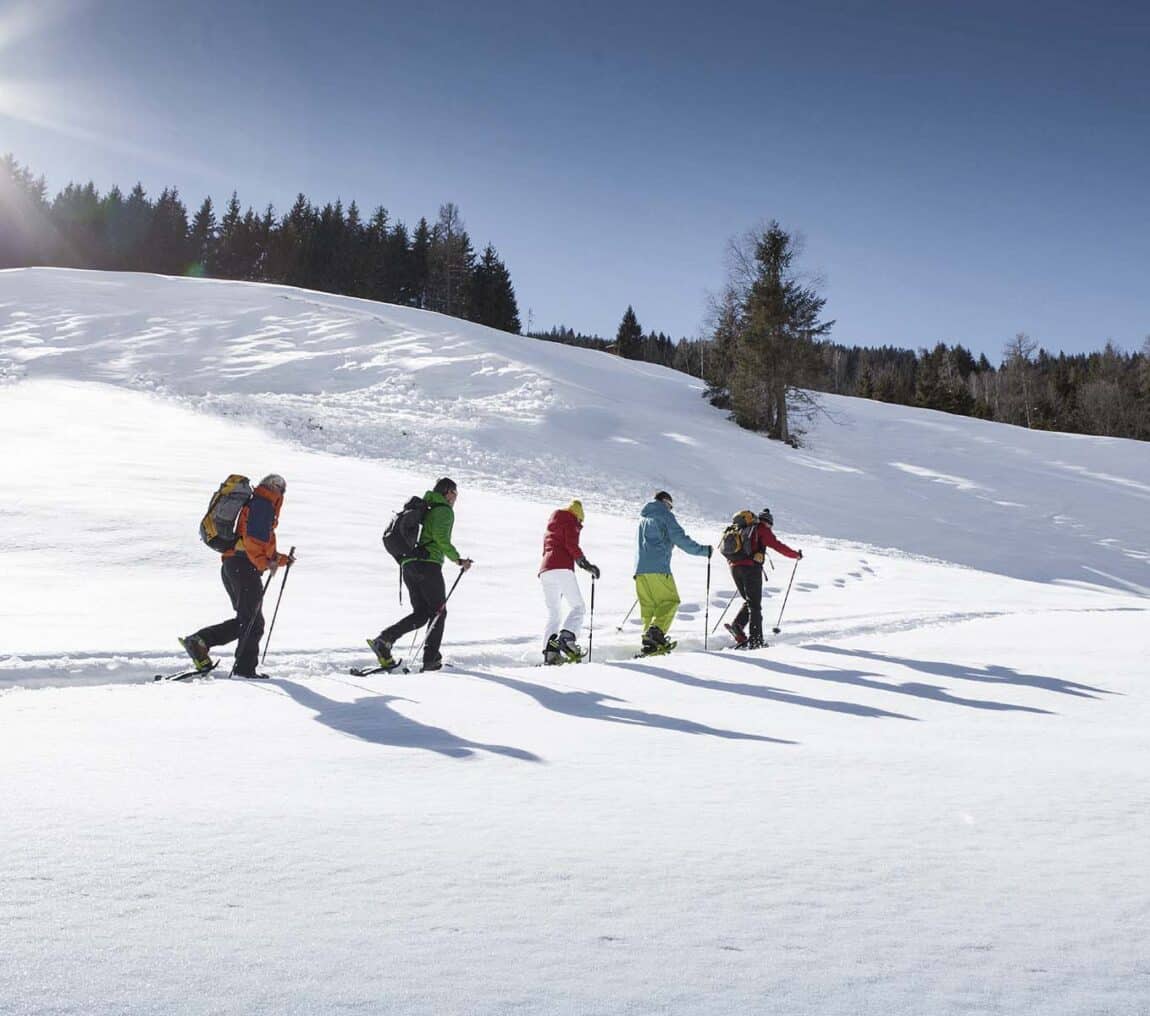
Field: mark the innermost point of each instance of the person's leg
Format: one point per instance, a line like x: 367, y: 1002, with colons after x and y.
x: 226, y: 631
x: 666, y: 602
x: 576, y: 608
x: 249, y: 614
x: 420, y: 612
x: 552, y: 584
x: 753, y: 591
x: 433, y: 595
x: 645, y: 592
x: 739, y: 574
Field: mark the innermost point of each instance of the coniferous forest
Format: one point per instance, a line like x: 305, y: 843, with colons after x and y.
x: 332, y: 248
x: 766, y: 350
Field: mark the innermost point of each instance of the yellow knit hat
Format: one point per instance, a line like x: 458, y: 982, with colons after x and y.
x: 576, y: 509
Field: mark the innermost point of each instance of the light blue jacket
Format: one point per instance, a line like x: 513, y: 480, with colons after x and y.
x: 659, y: 534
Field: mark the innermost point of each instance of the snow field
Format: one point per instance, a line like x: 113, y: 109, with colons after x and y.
x: 927, y: 797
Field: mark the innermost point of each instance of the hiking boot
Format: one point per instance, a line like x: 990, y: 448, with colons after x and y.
x: 429, y: 665
x: 569, y: 647
x: 654, y: 641
x: 756, y: 642
x: 197, y: 649
x: 552, y: 654
x: 382, y: 649
x: 738, y: 635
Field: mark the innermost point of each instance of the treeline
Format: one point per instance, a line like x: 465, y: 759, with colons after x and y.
x: 632, y: 343
x: 331, y: 248
x: 1105, y: 393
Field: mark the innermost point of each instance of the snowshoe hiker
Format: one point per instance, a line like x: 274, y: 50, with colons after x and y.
x: 252, y: 553
x: 744, y: 544
x: 659, y: 534
x: 423, y: 575
x: 561, y: 554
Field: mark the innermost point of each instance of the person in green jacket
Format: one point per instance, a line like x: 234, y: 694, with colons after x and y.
x: 423, y: 576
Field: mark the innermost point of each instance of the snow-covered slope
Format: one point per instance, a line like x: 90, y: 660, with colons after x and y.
x: 926, y: 797
x: 423, y: 391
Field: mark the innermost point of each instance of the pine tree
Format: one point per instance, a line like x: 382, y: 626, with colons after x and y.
x: 629, y: 337
x: 203, y: 239
x: 492, y: 295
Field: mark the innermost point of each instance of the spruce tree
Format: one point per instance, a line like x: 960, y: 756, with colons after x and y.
x: 629, y: 337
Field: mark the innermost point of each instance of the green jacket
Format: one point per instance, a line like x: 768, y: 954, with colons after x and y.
x: 435, y: 536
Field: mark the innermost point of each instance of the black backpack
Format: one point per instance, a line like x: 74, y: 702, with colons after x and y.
x: 401, y: 537
x: 737, y: 539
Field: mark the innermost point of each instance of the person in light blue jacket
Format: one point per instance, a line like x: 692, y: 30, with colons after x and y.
x: 659, y: 534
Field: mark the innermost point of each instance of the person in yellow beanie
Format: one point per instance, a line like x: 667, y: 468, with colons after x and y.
x: 561, y: 553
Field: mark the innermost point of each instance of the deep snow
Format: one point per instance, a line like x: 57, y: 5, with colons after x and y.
x: 928, y: 796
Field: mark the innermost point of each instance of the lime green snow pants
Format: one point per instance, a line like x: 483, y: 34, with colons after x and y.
x: 658, y: 600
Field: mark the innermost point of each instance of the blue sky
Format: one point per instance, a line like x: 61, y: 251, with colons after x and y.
x: 960, y: 172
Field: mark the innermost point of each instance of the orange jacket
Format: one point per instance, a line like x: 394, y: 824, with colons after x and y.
x: 257, y: 528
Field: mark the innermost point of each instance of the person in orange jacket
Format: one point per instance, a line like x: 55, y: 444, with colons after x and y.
x: 253, y: 554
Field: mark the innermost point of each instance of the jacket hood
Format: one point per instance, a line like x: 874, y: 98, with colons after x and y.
x: 653, y: 508
x: 432, y: 497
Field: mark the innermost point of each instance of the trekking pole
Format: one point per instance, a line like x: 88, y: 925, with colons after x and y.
x: 248, y: 630
x: 591, y: 622
x: 275, y: 613
x: 724, y: 613
x: 435, y: 617
x: 628, y: 617
x: 776, y: 629
x: 707, y: 606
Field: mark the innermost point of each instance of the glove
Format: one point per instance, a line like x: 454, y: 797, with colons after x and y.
x: 710, y: 550
x: 587, y: 566
x: 800, y: 557
x: 465, y: 563
x: 282, y: 559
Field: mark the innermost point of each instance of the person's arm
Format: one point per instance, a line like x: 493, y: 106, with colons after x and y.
x: 438, y: 525
x: 767, y: 538
x: 571, y: 538
x: 681, y: 540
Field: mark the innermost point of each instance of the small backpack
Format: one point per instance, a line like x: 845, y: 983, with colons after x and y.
x: 735, y: 543
x: 401, y: 537
x: 218, y: 526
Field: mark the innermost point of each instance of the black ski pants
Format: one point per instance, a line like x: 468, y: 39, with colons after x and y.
x: 425, y: 589
x: 749, y: 583
x: 246, y: 592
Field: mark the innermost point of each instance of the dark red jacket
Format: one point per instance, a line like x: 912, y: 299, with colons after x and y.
x: 762, y: 538
x: 561, y: 541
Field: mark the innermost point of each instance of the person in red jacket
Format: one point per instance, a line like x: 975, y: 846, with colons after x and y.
x: 748, y: 575
x: 561, y: 553
x: 253, y: 554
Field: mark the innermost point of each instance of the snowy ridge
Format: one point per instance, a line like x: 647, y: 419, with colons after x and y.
x: 416, y: 389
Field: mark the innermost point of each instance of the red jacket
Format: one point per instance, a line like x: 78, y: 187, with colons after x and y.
x: 763, y: 537
x: 561, y: 541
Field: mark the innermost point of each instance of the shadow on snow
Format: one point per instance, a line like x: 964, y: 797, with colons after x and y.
x: 593, y: 705
x: 372, y: 719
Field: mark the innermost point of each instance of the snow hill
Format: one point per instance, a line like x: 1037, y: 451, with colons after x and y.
x: 927, y: 796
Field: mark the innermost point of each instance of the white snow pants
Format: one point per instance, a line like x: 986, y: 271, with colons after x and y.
x: 560, y: 584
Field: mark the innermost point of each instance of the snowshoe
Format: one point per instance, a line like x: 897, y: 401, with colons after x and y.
x: 197, y: 649
x: 253, y: 676
x: 187, y: 675
x: 382, y: 650
x: 662, y: 649
x: 368, y: 671
x: 738, y: 635
x: 568, y: 647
